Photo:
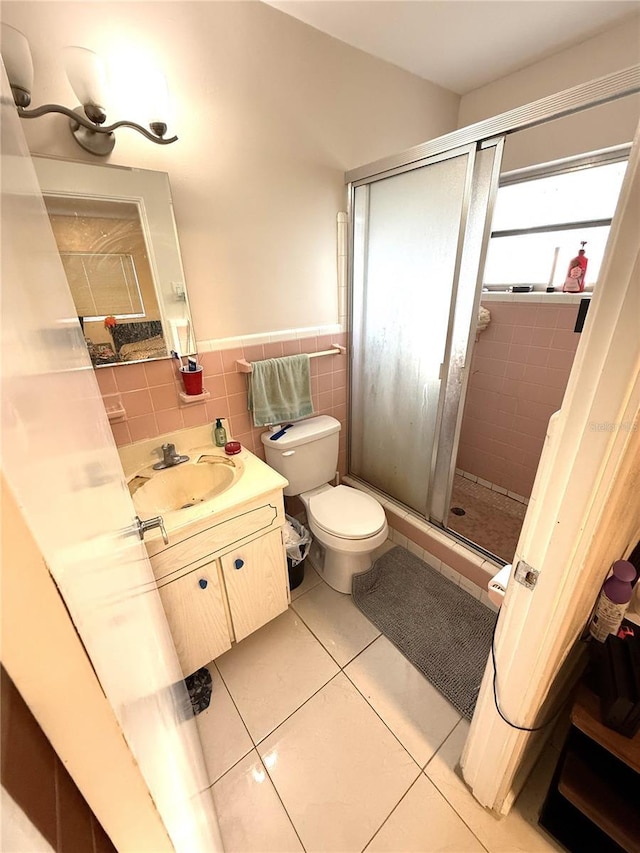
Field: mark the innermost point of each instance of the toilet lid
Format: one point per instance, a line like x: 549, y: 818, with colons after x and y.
x: 347, y: 513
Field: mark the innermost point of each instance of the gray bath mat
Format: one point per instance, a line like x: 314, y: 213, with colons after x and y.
x: 440, y: 628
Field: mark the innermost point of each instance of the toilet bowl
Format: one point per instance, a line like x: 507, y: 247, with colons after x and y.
x: 347, y: 525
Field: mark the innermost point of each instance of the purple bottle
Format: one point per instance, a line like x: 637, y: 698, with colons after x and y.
x: 613, y: 600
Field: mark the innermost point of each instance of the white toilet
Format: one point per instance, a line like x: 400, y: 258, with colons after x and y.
x: 347, y: 525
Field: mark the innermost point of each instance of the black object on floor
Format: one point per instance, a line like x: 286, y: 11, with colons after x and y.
x: 457, y: 510
x: 296, y: 573
x: 200, y: 687
x: 444, y: 631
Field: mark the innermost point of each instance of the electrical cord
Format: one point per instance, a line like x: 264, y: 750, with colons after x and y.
x: 495, y: 695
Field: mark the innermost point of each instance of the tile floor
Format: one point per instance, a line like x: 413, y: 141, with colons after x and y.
x: 321, y: 736
x: 491, y: 520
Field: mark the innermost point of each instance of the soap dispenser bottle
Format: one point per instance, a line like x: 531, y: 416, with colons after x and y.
x: 219, y: 434
x: 574, y: 282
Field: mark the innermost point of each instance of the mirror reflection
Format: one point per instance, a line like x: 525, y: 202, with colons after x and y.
x: 116, y: 236
x: 104, y: 255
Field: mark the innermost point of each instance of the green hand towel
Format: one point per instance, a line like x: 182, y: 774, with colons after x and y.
x: 280, y: 390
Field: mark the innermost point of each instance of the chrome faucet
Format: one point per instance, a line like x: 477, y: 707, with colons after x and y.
x: 169, y: 458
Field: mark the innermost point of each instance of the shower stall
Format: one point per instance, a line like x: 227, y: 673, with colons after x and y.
x: 420, y: 228
x: 419, y: 240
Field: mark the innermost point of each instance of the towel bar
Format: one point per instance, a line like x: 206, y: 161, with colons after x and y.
x: 243, y: 366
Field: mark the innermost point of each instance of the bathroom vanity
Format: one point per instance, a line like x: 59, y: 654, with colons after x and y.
x: 223, y: 573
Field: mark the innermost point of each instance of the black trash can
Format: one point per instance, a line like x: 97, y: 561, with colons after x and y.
x: 296, y: 573
x: 298, y: 541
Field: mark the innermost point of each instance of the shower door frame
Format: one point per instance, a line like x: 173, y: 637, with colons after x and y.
x: 463, y: 306
x: 568, y: 102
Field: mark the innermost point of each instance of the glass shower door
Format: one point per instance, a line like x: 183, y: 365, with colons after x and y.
x: 418, y: 243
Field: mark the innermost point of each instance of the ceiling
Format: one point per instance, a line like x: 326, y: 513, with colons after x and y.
x: 460, y: 44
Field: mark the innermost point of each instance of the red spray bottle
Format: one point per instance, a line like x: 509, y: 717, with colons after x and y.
x: 574, y: 282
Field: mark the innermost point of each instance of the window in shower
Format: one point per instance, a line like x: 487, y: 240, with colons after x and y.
x: 541, y: 216
x: 521, y: 362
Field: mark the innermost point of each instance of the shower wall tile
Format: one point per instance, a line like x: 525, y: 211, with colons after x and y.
x: 150, y: 392
x: 519, y: 372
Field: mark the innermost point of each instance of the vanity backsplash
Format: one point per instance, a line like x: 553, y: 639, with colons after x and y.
x: 147, y: 394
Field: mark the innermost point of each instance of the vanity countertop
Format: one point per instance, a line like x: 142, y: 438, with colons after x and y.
x: 256, y: 478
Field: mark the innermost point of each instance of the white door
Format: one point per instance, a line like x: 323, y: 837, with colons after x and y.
x: 60, y: 460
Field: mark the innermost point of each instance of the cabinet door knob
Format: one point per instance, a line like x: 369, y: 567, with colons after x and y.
x: 238, y: 563
x: 203, y: 583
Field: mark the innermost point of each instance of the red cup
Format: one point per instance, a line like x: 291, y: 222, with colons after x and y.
x: 192, y: 380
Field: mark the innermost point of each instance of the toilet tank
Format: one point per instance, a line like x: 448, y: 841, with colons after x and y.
x: 307, y: 453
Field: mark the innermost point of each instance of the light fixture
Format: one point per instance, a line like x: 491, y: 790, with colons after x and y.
x: 86, y: 74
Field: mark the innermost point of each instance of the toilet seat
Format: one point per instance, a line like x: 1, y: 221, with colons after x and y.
x: 346, y: 513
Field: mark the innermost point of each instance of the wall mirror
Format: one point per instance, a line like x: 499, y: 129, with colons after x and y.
x: 118, y: 242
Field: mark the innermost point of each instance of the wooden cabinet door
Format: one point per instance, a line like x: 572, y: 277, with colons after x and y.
x: 197, y: 618
x: 255, y: 576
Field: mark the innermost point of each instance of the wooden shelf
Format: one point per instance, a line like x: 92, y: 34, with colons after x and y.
x: 604, y: 799
x: 593, y: 801
x: 585, y: 715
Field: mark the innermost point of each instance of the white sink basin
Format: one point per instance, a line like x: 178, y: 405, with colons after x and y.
x: 184, y: 486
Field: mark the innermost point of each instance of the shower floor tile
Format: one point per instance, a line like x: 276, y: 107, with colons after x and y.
x: 491, y: 520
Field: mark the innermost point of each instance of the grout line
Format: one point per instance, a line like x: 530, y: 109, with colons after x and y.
x: 346, y: 674
x: 288, y: 717
x: 391, y: 812
x: 443, y: 793
x: 342, y: 666
x: 273, y: 784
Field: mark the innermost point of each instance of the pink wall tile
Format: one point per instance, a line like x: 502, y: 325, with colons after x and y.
x: 495, y: 349
x: 538, y: 356
x: 229, y: 358
x: 518, y: 354
x: 505, y: 420
x: 216, y: 386
x: 137, y: 403
x: 339, y: 378
x: 566, y: 317
x: 255, y: 353
x: 121, y: 434
x: 542, y: 337
x: 151, y: 391
x: 160, y: 372
x: 522, y: 335
x: 564, y: 339
x: 339, y: 396
x: 241, y: 424
x: 143, y: 427
x: 211, y: 363
x: 164, y: 397
x: 194, y: 414
x: 130, y: 377
x: 274, y: 350
x: 106, y: 380
x: 237, y: 404
x: 218, y: 407
x: 325, y: 382
x: 291, y: 347
x: 235, y: 383
x: 547, y: 316
x: 169, y: 420
x: 325, y: 401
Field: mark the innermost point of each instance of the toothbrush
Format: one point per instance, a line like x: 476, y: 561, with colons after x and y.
x: 175, y: 355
